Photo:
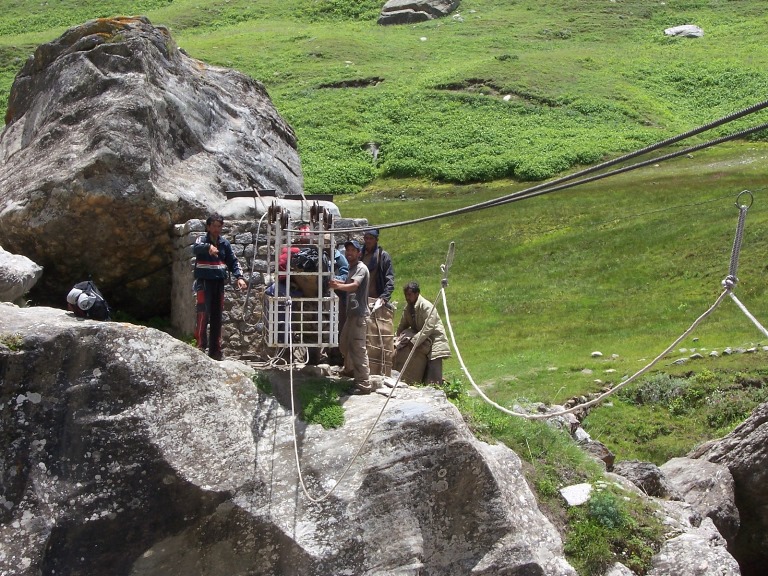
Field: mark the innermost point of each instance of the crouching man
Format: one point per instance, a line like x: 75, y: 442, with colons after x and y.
x: 420, y: 327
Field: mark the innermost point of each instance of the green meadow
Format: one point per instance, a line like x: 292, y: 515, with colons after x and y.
x: 498, y: 97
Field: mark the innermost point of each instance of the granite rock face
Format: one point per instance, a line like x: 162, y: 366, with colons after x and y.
x: 745, y: 453
x: 411, y: 11
x: 126, y: 451
x: 113, y: 135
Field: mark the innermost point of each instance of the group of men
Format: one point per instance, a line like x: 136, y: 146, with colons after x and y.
x: 370, y: 275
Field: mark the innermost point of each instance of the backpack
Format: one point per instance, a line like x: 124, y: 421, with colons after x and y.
x: 86, y: 301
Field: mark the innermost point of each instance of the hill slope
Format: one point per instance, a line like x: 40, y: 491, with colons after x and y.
x: 521, y: 89
x: 501, y: 92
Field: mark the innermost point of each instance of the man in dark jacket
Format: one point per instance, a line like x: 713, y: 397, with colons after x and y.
x: 213, y: 258
x: 379, y: 265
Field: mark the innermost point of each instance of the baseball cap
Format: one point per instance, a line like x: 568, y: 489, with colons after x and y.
x: 372, y: 232
x: 354, y: 243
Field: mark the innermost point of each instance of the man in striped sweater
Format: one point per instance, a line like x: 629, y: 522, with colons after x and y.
x: 213, y: 259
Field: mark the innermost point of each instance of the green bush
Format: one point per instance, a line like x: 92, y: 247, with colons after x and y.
x: 320, y: 403
x: 612, y: 528
x: 660, y: 388
x: 262, y: 382
x: 604, y: 509
x: 337, y: 10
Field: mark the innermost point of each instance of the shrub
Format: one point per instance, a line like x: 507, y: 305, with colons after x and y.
x: 453, y: 388
x: 262, y: 382
x: 605, y: 510
x: 656, y: 389
x: 330, y: 10
x: 612, y: 528
x: 320, y: 403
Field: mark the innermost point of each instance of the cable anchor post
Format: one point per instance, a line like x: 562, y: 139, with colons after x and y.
x: 730, y: 281
x: 444, y: 268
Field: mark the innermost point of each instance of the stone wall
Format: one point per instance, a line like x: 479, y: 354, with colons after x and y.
x: 242, y: 333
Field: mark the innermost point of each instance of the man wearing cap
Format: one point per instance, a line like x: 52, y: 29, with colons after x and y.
x: 421, y: 328
x: 352, y: 340
x: 379, y: 265
x: 213, y: 258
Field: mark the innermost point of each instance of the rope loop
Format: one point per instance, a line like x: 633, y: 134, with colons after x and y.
x: 729, y: 282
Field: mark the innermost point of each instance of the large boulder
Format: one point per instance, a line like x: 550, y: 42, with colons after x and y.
x: 699, y: 551
x: 113, y: 136
x: 18, y: 274
x: 745, y: 453
x: 693, y: 546
x: 410, y: 11
x: 125, y: 451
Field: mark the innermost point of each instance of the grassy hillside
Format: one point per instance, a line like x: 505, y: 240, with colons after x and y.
x: 520, y: 89
x: 506, y: 93
x: 481, y: 104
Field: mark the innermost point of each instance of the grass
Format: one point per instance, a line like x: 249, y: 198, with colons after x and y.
x: 13, y: 342
x: 318, y: 398
x: 476, y: 107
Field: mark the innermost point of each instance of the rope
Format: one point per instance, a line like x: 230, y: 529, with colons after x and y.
x: 296, y: 442
x: 728, y: 284
x: 253, y: 268
x: 736, y: 250
x: 595, y: 400
x: 444, y: 268
x: 748, y: 315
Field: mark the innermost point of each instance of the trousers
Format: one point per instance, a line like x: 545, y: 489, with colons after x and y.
x: 210, y: 305
x: 352, y: 343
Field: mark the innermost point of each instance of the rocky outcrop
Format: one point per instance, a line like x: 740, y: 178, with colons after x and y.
x: 648, y: 477
x: 125, y: 451
x: 699, y: 550
x: 113, y: 136
x: 685, y: 30
x: 18, y: 274
x: 411, y: 11
x: 745, y: 453
x: 709, y: 488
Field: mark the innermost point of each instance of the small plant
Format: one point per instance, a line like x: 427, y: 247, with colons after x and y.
x: 12, y: 341
x: 656, y: 389
x: 453, y: 388
x: 262, y: 382
x: 320, y: 403
x: 605, y: 510
x: 612, y: 528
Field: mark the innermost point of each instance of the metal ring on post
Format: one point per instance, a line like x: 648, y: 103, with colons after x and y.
x: 751, y: 199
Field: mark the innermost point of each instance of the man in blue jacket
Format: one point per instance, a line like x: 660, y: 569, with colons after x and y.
x: 213, y: 259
